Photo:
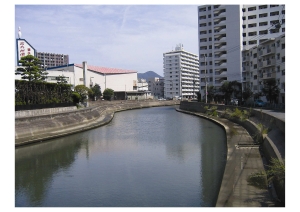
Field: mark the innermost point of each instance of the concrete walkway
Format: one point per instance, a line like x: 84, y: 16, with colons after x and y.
x: 243, y: 159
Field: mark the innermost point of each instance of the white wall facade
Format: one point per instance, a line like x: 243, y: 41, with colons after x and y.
x: 219, y: 38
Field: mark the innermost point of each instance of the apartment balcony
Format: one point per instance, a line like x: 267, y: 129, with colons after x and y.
x: 219, y: 20
x: 246, y: 68
x: 267, y: 63
x: 221, y: 73
x: 220, y: 39
x: 221, y: 56
x: 246, y: 79
x: 246, y: 58
x: 220, y: 47
x: 220, y: 12
x: 220, y: 31
x: 269, y: 75
x: 268, y: 51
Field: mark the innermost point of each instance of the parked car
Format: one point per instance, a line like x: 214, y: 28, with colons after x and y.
x: 259, y: 103
x: 234, y: 102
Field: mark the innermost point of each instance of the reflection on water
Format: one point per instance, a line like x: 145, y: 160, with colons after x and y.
x: 149, y: 157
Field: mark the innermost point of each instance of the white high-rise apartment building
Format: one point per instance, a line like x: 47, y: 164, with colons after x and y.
x: 261, y: 22
x: 219, y: 33
x: 181, y: 73
x: 228, y: 31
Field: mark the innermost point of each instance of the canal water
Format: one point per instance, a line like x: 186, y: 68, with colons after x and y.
x: 153, y: 157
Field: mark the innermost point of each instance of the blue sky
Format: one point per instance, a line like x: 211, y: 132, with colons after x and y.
x: 128, y: 36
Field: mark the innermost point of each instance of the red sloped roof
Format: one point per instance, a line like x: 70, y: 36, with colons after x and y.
x: 105, y: 70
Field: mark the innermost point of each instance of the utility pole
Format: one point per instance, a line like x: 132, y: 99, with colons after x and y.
x: 205, y: 80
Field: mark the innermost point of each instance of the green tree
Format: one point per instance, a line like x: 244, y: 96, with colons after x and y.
x: 76, y: 97
x: 83, y: 92
x: 31, y: 69
x: 96, y: 91
x: 211, y: 91
x: 247, y: 93
x: 227, y: 90
x: 61, y: 80
x: 231, y: 87
x: 271, y: 90
x: 108, y: 93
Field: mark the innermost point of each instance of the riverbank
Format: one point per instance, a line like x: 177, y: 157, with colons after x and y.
x: 236, y: 190
x: 241, y: 160
x: 32, y: 129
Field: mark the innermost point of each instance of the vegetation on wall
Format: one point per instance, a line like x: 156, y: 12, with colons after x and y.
x: 32, y: 92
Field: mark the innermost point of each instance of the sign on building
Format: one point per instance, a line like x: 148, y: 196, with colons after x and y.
x: 24, y: 49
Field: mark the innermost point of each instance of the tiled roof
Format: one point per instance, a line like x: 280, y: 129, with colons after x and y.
x: 105, y: 70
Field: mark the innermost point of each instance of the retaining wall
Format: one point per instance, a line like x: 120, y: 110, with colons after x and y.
x: 39, y: 112
x: 273, y: 145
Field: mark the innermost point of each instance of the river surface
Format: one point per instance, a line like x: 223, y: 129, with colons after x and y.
x: 153, y: 157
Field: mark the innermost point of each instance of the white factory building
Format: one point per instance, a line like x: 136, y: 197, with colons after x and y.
x: 120, y: 80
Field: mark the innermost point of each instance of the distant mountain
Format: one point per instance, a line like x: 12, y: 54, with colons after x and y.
x: 147, y: 75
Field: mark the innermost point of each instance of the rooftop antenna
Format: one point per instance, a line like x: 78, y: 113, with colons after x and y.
x: 19, y: 33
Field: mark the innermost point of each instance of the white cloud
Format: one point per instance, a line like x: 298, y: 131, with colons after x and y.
x: 121, y: 36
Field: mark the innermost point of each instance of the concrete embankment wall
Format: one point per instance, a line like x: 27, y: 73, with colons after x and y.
x: 273, y: 145
x: 32, y: 129
x: 39, y: 112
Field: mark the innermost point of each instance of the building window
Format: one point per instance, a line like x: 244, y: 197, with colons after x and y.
x: 263, y: 15
x: 274, y: 5
x: 209, y: 16
x: 252, y: 42
x: 244, y: 34
x: 252, y: 33
x: 244, y: 18
x: 274, y: 31
x: 283, y: 59
x: 243, y: 9
x: 283, y: 46
x: 263, y: 32
x: 203, y: 25
x: 202, y: 17
x: 244, y: 26
x: 209, y: 8
x: 251, y: 8
x: 274, y: 13
x: 283, y: 29
x: 263, y: 7
x: 244, y: 43
x: 251, y: 17
x: 263, y: 23
x: 283, y: 72
x: 202, y: 32
x: 251, y: 25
